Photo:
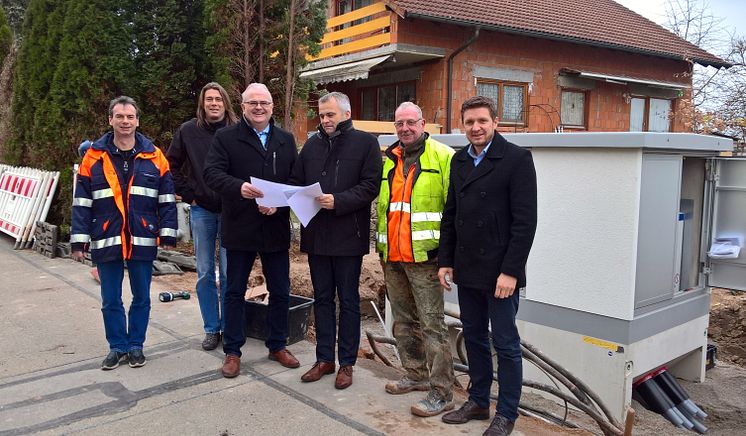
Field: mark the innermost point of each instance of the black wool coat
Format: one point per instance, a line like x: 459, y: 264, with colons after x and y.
x: 348, y: 164
x: 489, y: 219
x: 186, y: 155
x: 236, y: 154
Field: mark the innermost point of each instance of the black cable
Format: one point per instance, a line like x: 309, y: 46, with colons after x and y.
x: 564, y: 419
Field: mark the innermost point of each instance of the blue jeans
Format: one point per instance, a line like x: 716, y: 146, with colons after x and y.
x: 276, y: 270
x: 120, y: 337
x: 336, y: 276
x: 479, y: 308
x: 205, y: 232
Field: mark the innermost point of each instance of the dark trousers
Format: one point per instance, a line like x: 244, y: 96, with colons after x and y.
x: 479, y: 308
x: 336, y: 276
x: 276, y: 270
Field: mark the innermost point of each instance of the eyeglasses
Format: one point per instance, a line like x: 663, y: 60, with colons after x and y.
x: 409, y: 123
x: 254, y: 103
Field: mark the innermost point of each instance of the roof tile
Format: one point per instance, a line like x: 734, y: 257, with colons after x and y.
x: 596, y: 22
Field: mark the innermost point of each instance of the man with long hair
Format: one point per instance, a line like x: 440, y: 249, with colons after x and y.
x: 187, y: 158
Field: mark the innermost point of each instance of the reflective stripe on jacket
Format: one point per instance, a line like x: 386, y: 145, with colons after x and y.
x: 123, y: 222
x: 416, y: 212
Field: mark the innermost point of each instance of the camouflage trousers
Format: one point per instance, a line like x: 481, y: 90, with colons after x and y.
x: 416, y: 299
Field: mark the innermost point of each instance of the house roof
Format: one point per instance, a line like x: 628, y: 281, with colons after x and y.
x: 601, y: 23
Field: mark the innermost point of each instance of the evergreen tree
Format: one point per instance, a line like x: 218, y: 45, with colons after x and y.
x: 93, y: 65
x: 14, y: 11
x: 35, y: 67
x: 6, y: 37
x: 168, y: 38
x: 7, y: 63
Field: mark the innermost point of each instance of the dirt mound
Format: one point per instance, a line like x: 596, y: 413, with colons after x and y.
x: 728, y: 325
x: 371, y: 277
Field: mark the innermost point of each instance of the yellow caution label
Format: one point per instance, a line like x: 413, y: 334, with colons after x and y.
x: 601, y: 343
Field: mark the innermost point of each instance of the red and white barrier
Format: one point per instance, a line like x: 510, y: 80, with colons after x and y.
x: 25, y: 197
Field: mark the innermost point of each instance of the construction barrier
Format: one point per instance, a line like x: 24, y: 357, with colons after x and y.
x: 25, y: 197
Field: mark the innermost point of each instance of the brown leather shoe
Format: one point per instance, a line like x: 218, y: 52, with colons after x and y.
x: 318, y: 370
x: 231, y: 366
x: 285, y: 357
x: 468, y: 411
x: 500, y: 426
x: 344, y: 377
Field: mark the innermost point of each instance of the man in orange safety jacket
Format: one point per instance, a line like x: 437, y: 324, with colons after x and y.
x: 124, y: 207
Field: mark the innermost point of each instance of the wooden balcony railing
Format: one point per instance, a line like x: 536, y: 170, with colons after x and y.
x: 372, y: 33
x: 387, y: 127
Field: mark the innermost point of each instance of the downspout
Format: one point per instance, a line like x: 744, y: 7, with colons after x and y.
x: 449, y: 104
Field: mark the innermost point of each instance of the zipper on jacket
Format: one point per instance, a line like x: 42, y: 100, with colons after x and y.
x: 336, y: 177
x: 357, y: 226
x: 274, y: 163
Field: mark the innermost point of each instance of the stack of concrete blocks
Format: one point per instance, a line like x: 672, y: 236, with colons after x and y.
x: 45, y: 239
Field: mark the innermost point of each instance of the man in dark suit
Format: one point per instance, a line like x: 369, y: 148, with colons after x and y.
x: 487, y: 230
x: 253, y: 147
x: 346, y: 162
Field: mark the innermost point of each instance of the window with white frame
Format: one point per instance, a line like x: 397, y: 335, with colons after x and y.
x: 511, y: 99
x: 649, y: 114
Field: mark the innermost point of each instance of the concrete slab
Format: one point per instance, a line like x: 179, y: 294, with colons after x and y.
x: 51, y: 381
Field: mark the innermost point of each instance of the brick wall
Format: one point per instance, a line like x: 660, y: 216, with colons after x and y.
x: 607, y: 106
x: 607, y: 109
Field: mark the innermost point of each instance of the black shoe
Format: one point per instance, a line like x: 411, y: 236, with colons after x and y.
x: 500, y: 426
x: 113, y: 359
x: 137, y: 359
x: 211, y: 341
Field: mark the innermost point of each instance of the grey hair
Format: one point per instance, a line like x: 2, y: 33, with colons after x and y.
x: 342, y: 100
x: 123, y: 100
x: 409, y: 104
x: 253, y: 86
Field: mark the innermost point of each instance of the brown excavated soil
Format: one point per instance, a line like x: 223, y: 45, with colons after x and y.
x: 728, y: 325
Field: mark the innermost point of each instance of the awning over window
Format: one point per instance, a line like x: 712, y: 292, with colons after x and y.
x: 343, y: 72
x: 622, y: 80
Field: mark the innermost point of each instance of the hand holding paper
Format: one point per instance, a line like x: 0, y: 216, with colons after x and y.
x: 274, y: 193
x: 304, y: 204
x: 250, y: 191
x: 301, y: 199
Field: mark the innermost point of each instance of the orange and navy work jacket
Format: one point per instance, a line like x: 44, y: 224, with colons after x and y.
x: 123, y: 219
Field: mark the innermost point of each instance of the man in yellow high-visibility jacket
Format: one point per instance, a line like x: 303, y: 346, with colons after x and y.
x: 410, y: 205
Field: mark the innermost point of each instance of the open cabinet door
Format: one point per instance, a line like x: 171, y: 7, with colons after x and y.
x: 727, y: 182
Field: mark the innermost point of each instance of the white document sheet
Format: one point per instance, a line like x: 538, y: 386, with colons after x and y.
x: 304, y: 204
x: 274, y: 193
x: 301, y: 199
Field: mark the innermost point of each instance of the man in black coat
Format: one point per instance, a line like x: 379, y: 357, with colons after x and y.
x: 186, y: 155
x: 254, y: 147
x: 487, y: 231
x: 347, y: 163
